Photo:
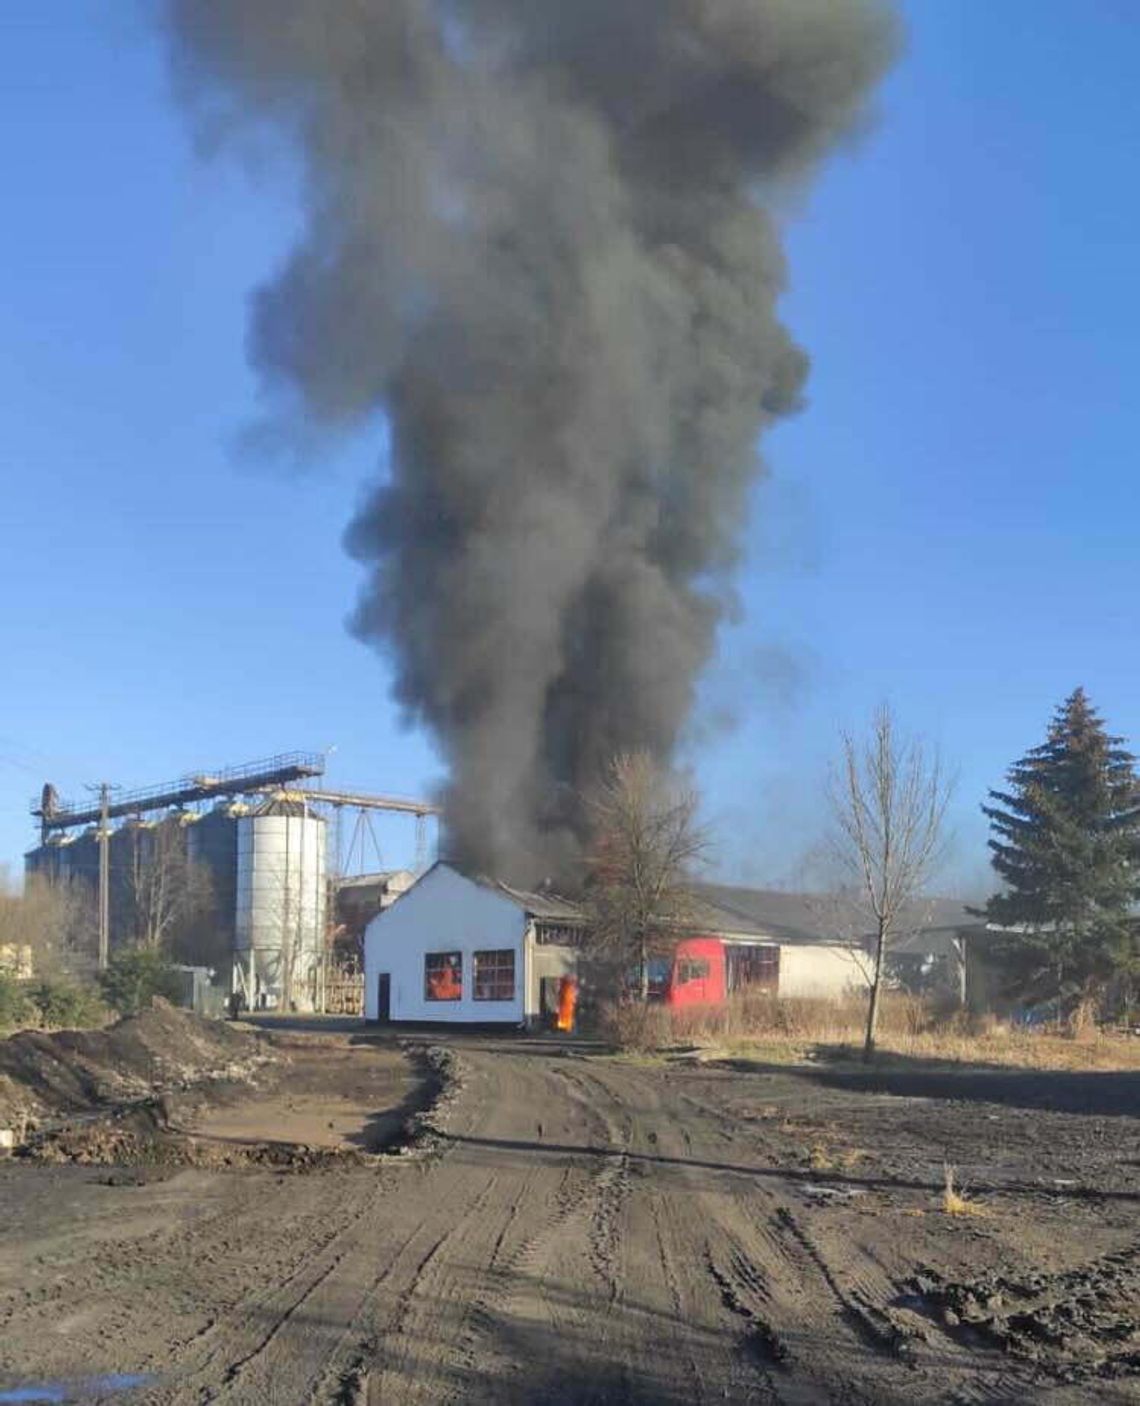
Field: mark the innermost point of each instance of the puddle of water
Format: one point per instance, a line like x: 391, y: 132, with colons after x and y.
x: 53, y: 1392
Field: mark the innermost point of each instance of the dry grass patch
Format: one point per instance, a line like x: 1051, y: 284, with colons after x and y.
x: 1021, y: 1049
x: 954, y: 1200
x: 762, y: 1028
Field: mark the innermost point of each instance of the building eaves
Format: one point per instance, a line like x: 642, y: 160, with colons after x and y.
x: 772, y: 915
x: 549, y: 907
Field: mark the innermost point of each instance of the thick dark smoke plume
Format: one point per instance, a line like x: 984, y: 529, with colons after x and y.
x: 538, y: 237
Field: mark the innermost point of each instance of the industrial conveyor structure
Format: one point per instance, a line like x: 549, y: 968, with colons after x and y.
x: 287, y: 772
x: 278, y: 791
x: 268, y: 774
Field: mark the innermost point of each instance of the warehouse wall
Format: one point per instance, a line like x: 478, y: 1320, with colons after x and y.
x: 819, y: 971
x: 444, y: 912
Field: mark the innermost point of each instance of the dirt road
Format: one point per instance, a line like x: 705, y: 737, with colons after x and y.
x: 592, y: 1230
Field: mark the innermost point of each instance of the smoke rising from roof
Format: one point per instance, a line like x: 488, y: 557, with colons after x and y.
x: 539, y: 238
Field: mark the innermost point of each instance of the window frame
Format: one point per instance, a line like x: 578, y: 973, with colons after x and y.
x: 498, y: 953
x: 449, y: 958
x: 693, y: 969
x: 551, y: 934
x: 761, y: 965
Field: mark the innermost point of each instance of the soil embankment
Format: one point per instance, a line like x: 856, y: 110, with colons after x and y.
x: 49, y: 1076
x: 165, y: 1088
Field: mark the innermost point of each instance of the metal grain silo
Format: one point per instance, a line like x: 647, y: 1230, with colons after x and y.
x: 212, y: 842
x: 280, y: 910
x: 48, y: 861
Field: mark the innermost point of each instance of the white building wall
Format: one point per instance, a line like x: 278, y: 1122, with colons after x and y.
x: 828, y: 972
x: 444, y: 912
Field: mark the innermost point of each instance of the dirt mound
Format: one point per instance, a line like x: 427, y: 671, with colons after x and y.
x: 1079, y: 1323
x: 81, y: 1071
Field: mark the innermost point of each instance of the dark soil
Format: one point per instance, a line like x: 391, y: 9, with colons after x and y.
x: 163, y: 1049
x: 579, y: 1228
x: 166, y: 1089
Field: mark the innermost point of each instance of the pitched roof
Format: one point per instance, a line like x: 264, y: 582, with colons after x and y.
x: 364, y: 881
x: 805, y: 917
x: 773, y: 914
x: 550, y: 906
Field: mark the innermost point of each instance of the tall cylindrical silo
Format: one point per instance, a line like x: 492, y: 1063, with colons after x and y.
x: 280, y: 910
x: 212, y: 843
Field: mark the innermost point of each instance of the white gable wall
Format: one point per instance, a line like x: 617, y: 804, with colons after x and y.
x: 444, y: 912
x: 818, y: 971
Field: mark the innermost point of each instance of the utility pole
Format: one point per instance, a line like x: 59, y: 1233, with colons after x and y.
x: 104, y: 874
x: 421, y: 844
x: 103, y: 790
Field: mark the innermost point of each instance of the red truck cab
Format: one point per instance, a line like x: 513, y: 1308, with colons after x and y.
x: 698, y: 975
x: 703, y: 971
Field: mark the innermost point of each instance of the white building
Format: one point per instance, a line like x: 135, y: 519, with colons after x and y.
x: 809, y: 950
x: 468, y: 950
x: 460, y: 949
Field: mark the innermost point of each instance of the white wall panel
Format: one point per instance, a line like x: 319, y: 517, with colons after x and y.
x: 818, y: 971
x: 444, y: 912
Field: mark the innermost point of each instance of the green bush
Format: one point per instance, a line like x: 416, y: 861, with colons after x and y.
x: 61, y: 1005
x: 15, y: 1008
x: 135, y: 976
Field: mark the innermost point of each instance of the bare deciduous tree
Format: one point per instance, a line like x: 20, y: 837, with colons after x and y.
x: 646, y: 843
x: 166, y: 891
x: 888, y: 799
x: 43, y: 926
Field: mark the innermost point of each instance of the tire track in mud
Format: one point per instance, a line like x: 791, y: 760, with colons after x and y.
x: 333, y: 1363
x: 555, y: 1214
x: 427, y: 1342
x: 449, y: 1332
x: 340, y: 1267
x: 546, y: 1270
x: 347, y: 1373
x: 572, y: 1236
x: 764, y: 1267
x: 828, y: 1325
x: 609, y: 1176
x: 213, y: 1362
x: 808, y: 1328
x: 800, y: 1325
x: 194, y: 1273
x: 699, y: 1390
x: 363, y: 1299
x: 268, y: 1336
x: 667, y: 1241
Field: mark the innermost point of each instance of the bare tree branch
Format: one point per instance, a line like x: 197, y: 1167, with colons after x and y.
x: 646, y: 844
x: 888, y: 801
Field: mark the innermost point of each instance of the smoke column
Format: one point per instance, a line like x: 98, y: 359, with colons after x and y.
x: 539, y: 239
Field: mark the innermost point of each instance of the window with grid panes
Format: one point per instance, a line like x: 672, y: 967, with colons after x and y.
x: 494, y: 975
x: 443, y: 976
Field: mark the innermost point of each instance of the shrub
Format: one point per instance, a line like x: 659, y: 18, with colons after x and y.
x: 135, y: 976
x: 755, y: 1014
x: 633, y: 1026
x: 60, y: 1005
x: 15, y: 1008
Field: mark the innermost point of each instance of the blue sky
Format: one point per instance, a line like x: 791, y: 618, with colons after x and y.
x: 950, y: 524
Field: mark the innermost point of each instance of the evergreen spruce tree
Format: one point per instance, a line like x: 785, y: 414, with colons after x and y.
x: 1066, y: 843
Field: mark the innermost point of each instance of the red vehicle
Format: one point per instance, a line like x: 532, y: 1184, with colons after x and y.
x: 704, y: 971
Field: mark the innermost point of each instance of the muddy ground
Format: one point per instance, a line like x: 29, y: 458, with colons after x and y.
x: 579, y: 1228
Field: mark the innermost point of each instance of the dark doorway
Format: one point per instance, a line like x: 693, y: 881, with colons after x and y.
x: 384, y: 998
